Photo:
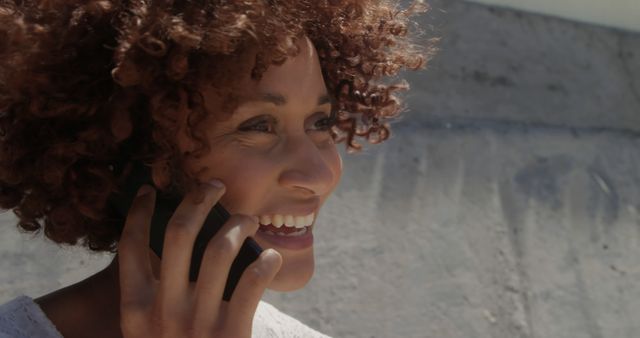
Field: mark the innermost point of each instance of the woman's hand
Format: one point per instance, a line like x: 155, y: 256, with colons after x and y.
x: 172, y: 306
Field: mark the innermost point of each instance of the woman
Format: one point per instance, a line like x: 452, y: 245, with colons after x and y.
x: 237, y: 102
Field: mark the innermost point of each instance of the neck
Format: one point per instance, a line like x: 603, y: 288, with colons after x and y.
x: 102, y: 292
x: 89, y: 307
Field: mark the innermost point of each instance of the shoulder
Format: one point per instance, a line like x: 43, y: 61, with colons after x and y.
x: 22, y: 317
x: 269, y: 322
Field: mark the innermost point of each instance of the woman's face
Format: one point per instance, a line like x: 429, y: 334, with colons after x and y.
x: 276, y: 156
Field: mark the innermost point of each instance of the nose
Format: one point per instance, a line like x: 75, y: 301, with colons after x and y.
x: 308, y: 169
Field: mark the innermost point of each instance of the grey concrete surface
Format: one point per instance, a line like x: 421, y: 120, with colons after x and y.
x: 505, y: 205
x: 509, y: 65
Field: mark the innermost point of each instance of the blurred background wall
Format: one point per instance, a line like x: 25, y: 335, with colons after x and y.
x: 614, y: 13
x: 506, y: 204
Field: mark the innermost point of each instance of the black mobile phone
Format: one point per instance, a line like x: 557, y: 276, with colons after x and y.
x: 166, y: 204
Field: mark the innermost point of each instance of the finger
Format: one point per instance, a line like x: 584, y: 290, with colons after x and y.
x: 250, y: 289
x: 220, y: 253
x: 182, y: 229
x: 133, y: 256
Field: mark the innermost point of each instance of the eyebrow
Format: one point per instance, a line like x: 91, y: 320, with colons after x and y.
x: 279, y: 100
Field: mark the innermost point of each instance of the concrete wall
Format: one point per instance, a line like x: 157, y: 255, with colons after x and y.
x: 622, y: 14
x: 505, y: 205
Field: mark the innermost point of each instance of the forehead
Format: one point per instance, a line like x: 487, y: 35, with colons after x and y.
x: 298, y: 81
x: 298, y: 76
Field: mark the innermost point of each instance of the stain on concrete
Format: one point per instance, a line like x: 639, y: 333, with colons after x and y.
x: 557, y: 88
x: 484, y: 78
x: 541, y: 179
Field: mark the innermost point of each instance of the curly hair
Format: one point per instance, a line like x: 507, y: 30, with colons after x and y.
x: 72, y: 73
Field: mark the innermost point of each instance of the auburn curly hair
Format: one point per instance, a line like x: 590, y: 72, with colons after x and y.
x: 71, y: 72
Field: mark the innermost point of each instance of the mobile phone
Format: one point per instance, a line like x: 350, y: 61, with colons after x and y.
x: 166, y: 204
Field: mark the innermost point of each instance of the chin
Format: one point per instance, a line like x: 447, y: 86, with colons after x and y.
x: 293, y: 275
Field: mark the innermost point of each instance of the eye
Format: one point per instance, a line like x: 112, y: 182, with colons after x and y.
x: 263, y: 127
x: 325, y: 123
x: 260, y: 124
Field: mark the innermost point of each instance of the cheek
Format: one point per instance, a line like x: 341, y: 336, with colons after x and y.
x: 334, y: 161
x: 248, y: 180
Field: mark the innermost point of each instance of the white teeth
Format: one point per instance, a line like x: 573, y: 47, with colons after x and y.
x: 277, y: 221
x: 289, y: 221
x: 265, y: 220
x: 301, y: 221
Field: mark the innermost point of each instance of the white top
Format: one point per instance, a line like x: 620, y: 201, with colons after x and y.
x: 23, y: 318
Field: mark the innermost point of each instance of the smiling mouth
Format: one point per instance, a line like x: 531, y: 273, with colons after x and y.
x: 287, y: 232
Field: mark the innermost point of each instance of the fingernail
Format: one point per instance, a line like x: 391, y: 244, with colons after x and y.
x: 269, y: 260
x: 216, y: 183
x: 145, y: 189
x: 271, y: 253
